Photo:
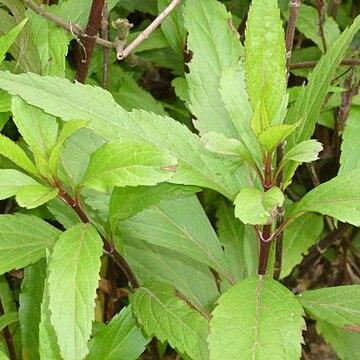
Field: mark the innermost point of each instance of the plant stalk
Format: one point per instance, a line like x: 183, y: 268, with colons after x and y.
x: 88, y: 39
x: 8, y: 336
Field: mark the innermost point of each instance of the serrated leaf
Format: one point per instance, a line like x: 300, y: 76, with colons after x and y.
x: 69, y: 128
x: 162, y: 313
x: 221, y: 144
x: 215, y: 48
x: 350, y: 155
x: 337, y: 305
x: 13, y: 152
x: 128, y: 164
x: 309, y: 101
x: 339, y: 197
x: 73, y: 279
x: 32, y: 196
x: 48, y: 346
x: 256, y: 207
x: 120, y: 339
x: 23, y: 240
x: 180, y: 225
x: 39, y: 130
x: 306, y: 151
x: 30, y: 298
x: 274, y: 135
x: 255, y: 318
x: 346, y: 343
x: 8, y: 319
x: 127, y: 201
x: 298, y: 237
x: 155, y: 263
x: 11, y: 181
x: 235, y: 98
x: 8, y: 39
x: 61, y: 98
x: 52, y: 44
x: 265, y: 56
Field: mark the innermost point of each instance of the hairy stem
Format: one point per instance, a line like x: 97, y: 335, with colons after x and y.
x: 105, y: 35
x: 7, y: 336
x: 88, y: 39
x: 264, y: 249
x: 294, y: 5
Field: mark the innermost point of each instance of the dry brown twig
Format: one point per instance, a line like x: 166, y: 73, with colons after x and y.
x: 77, y: 30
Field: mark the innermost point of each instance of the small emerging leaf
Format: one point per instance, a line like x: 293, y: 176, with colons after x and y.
x: 306, y: 151
x: 32, y: 196
x: 256, y: 207
x: 128, y: 164
x: 11, y: 181
x: 13, y: 152
x: 274, y: 135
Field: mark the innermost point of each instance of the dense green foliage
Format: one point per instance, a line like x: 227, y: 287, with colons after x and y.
x: 199, y: 199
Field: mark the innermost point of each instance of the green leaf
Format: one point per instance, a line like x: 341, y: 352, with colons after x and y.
x: 298, y: 237
x: 61, y: 98
x: 265, y: 56
x: 255, y: 318
x: 161, y: 311
x: 338, y: 305
x: 173, y: 27
x: 239, y: 243
x: 306, y: 151
x: 350, y: 155
x: 52, y: 44
x: 128, y: 164
x: 235, y: 98
x: 155, y: 263
x: 180, y: 225
x: 73, y: 279
x: 13, y: 152
x: 48, y: 346
x: 11, y: 181
x: 7, y: 40
x: 32, y: 196
x: 310, y: 99
x: 339, y: 197
x: 68, y: 129
x: 221, y: 144
x: 215, y: 48
x: 23, y: 240
x: 127, y: 201
x: 120, y: 339
x: 7, y: 319
x: 256, y: 207
x: 307, y: 22
x: 30, y: 298
x: 346, y: 343
x: 38, y: 129
x: 272, y: 136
